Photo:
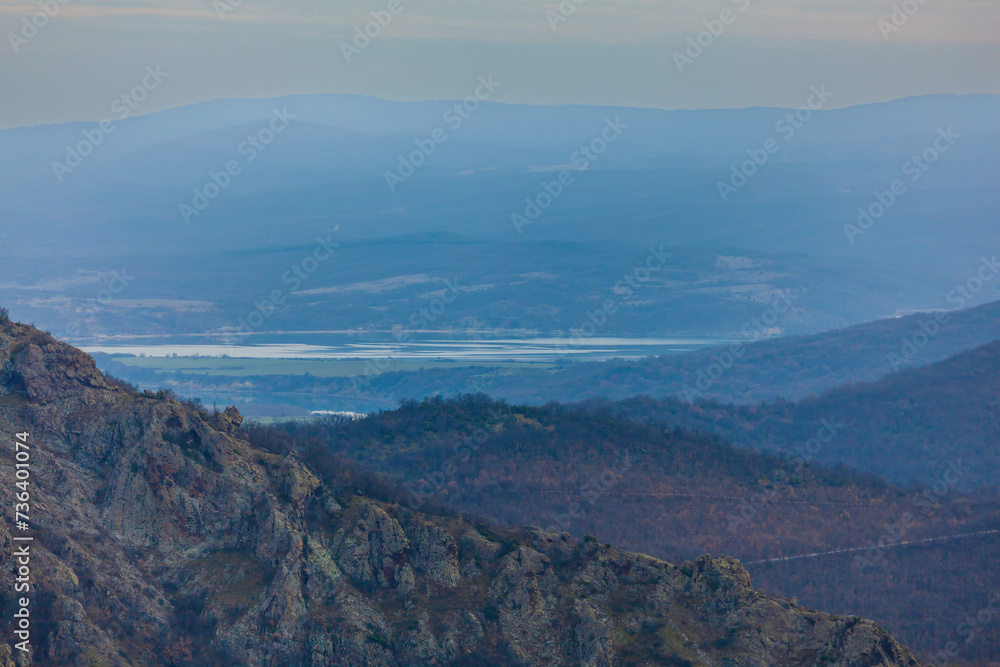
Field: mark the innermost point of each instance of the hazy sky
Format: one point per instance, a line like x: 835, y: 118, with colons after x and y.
x: 618, y: 52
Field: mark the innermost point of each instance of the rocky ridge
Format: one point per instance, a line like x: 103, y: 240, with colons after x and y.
x: 164, y: 538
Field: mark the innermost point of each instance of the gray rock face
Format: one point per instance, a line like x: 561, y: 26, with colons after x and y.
x: 163, y: 538
x: 594, y: 640
x: 434, y: 554
x: 373, y: 551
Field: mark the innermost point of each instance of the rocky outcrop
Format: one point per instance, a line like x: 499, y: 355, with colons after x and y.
x: 164, y: 538
x: 373, y: 551
x: 434, y: 554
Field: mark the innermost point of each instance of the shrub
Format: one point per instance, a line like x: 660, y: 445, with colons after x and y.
x: 4, y: 315
x: 193, y: 404
x: 124, y: 385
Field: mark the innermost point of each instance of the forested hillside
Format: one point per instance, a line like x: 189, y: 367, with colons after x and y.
x: 908, y: 427
x: 675, y: 493
x: 160, y: 536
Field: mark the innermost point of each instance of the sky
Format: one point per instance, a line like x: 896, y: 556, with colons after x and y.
x: 74, y: 61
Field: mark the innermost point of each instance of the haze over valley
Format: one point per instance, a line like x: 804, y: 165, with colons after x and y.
x: 520, y: 334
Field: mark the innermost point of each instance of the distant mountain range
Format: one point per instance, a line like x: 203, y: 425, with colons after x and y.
x: 838, y: 441
x: 656, y: 185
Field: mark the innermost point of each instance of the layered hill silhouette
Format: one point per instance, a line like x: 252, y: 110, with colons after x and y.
x: 657, y: 185
x: 908, y: 427
x: 746, y: 372
x: 659, y: 180
x: 163, y: 537
x: 675, y: 493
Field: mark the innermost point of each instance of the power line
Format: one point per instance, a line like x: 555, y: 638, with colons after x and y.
x: 908, y: 543
x: 665, y: 494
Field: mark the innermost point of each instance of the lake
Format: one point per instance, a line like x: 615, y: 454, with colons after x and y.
x: 477, y: 351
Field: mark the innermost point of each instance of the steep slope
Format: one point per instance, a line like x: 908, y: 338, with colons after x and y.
x: 676, y: 493
x: 164, y: 538
x: 908, y: 427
